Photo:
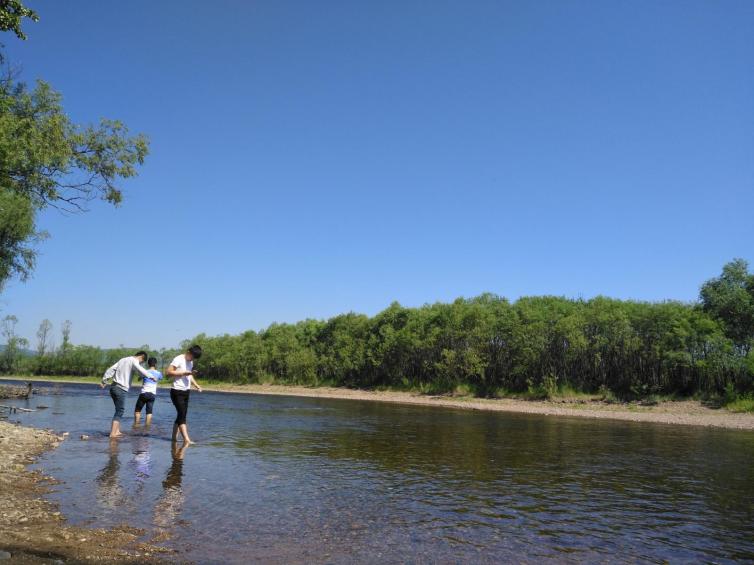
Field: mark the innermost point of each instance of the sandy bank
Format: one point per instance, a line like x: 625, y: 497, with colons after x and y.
x: 687, y: 412
x: 32, y: 530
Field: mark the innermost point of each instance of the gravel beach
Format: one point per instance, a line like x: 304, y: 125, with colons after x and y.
x: 32, y: 530
x: 684, y: 412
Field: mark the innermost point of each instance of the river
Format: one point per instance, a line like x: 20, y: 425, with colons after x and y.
x: 290, y: 479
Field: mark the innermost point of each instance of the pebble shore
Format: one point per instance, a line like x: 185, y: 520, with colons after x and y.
x: 32, y: 529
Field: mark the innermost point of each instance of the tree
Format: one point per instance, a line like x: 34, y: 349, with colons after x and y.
x: 43, y: 336
x: 18, y: 237
x: 47, y: 160
x: 730, y: 299
x: 13, y: 343
x: 65, y: 330
x: 55, y: 162
x: 12, y: 12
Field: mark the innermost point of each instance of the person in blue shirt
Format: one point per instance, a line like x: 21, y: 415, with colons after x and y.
x: 148, y: 392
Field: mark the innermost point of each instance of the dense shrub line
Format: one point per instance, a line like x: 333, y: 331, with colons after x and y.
x: 73, y: 361
x: 488, y: 346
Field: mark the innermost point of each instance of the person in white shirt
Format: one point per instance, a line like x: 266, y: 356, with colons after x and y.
x: 148, y: 393
x: 181, y: 370
x: 120, y: 374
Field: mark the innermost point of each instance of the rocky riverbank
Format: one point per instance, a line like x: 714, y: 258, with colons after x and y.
x: 32, y: 530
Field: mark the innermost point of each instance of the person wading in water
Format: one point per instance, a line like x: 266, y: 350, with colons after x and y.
x: 181, y: 370
x: 148, y: 393
x: 120, y: 374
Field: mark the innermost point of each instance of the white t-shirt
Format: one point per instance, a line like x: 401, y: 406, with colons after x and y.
x: 181, y: 364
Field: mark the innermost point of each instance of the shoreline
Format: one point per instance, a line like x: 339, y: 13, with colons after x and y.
x: 682, y: 412
x: 33, y: 530
x: 677, y: 412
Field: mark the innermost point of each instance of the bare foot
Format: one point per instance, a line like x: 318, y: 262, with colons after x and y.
x: 188, y: 442
x: 115, y: 436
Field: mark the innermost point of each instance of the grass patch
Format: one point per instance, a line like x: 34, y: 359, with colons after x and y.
x: 741, y: 404
x: 464, y: 390
x: 432, y: 389
x: 569, y: 394
x: 42, y: 378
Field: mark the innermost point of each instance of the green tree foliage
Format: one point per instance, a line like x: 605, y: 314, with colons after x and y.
x: 44, y: 335
x: 11, y: 355
x: 65, y: 334
x: 76, y: 361
x: 729, y: 298
x: 47, y: 160
x: 485, y: 345
x: 18, y: 236
x: 12, y: 13
x: 488, y: 345
x: 54, y: 162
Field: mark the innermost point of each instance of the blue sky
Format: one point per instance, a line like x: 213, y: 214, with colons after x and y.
x: 313, y: 158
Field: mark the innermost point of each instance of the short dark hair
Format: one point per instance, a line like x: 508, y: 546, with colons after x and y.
x: 152, y: 361
x: 141, y: 354
x: 195, y: 351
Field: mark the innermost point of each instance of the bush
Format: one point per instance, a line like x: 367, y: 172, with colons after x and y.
x: 741, y: 404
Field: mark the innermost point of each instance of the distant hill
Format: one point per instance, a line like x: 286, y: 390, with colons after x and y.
x: 24, y: 352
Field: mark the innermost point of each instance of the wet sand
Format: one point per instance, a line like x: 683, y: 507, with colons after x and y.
x: 32, y: 530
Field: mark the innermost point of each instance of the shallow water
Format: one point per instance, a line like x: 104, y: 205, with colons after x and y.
x: 287, y: 479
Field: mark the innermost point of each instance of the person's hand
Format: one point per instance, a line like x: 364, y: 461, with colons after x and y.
x: 198, y: 388
x: 187, y: 373
x: 102, y: 385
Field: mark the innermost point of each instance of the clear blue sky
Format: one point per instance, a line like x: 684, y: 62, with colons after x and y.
x: 312, y: 158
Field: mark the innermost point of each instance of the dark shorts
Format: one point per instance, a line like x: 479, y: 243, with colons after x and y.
x: 119, y: 399
x: 145, y: 398
x: 180, y: 399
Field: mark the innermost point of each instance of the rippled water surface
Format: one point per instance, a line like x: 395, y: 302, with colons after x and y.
x: 282, y: 479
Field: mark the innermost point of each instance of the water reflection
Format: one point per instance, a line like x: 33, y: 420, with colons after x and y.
x: 317, y: 480
x: 168, y: 507
x: 110, y: 493
x: 141, y: 463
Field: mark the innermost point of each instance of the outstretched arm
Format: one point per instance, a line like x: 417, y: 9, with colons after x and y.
x: 196, y: 384
x: 142, y: 370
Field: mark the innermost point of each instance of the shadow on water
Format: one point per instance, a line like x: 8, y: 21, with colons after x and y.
x: 281, y: 479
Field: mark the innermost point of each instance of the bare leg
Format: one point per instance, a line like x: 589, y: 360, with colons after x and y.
x: 115, y: 429
x: 148, y: 420
x: 137, y: 417
x: 184, y: 433
x: 175, y: 433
